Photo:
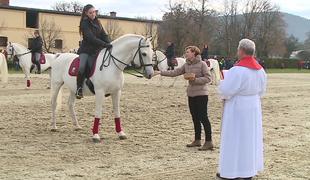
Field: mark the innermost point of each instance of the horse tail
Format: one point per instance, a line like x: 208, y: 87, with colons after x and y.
x: 4, y: 69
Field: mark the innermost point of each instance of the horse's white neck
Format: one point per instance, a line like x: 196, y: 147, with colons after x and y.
x: 161, y: 60
x: 124, y: 51
x: 25, y: 59
x: 20, y: 49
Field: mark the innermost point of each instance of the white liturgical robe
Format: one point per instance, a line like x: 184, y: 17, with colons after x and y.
x: 241, y: 150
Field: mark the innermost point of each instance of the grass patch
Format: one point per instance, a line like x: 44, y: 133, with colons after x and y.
x: 13, y: 71
x: 289, y: 70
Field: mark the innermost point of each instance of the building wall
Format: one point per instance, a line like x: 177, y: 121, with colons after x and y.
x: 13, y: 25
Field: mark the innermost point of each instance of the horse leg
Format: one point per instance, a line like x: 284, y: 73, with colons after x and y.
x: 98, y: 114
x: 117, y: 114
x: 71, y: 102
x: 26, y: 76
x: 55, y: 91
x: 50, y: 81
x: 174, y: 81
x: 160, y: 81
x: 28, y: 79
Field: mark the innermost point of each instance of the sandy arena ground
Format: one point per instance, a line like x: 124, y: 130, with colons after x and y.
x: 158, y: 125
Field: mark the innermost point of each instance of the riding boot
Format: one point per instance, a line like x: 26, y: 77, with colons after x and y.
x: 32, y: 67
x: 39, y: 68
x: 80, y: 81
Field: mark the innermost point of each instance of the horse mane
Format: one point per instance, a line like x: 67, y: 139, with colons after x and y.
x: 125, y: 36
x: 20, y: 47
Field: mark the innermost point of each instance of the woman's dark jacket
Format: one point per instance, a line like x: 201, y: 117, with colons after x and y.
x: 94, y: 37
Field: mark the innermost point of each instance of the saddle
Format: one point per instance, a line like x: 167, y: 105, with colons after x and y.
x: 89, y: 72
x: 75, y: 65
x: 42, y: 59
x: 208, y: 63
x: 174, y: 62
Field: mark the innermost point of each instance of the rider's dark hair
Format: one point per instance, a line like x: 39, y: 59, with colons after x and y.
x: 84, y: 16
x: 37, y: 32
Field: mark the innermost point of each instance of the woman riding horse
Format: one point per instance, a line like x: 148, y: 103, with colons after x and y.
x: 170, y: 54
x: 94, y: 39
x: 36, y: 50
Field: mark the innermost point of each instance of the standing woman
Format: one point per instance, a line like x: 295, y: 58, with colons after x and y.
x: 197, y: 94
x: 94, y: 39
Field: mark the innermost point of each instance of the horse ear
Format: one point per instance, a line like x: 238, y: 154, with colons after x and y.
x: 150, y: 38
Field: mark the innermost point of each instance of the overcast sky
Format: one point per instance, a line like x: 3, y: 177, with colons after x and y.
x: 155, y: 8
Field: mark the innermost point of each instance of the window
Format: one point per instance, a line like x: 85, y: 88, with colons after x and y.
x: 58, y: 43
x: 3, y: 41
x: 32, y: 19
x: 30, y: 42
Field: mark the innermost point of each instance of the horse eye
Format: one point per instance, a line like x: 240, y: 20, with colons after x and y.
x: 143, y: 54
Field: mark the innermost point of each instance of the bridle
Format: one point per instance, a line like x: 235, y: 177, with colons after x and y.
x: 155, y: 58
x: 13, y: 50
x: 108, y: 57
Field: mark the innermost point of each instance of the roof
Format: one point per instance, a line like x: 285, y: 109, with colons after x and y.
x: 74, y: 14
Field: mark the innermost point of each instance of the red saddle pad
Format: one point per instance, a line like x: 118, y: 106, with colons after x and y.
x: 74, y: 68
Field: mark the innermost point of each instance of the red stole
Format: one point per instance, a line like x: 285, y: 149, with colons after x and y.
x: 249, y: 62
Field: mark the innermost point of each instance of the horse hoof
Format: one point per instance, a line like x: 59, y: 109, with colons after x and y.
x: 122, y: 135
x: 96, y: 138
x: 54, y: 129
x: 78, y: 128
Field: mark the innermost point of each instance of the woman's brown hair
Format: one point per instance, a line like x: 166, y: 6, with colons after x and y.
x: 84, y: 15
x: 193, y: 49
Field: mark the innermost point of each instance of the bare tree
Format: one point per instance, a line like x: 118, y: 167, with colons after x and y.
x: 74, y: 6
x: 269, y: 32
x: 307, y: 42
x: 113, y: 29
x: 229, y: 28
x: 174, y: 27
x: 49, y: 31
x: 261, y: 21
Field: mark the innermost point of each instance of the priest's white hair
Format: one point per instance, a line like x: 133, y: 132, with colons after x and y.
x: 248, y: 46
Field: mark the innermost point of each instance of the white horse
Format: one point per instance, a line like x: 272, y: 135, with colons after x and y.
x: 160, y: 61
x: 214, y: 68
x: 24, y: 56
x: 107, y: 78
x: 3, y: 69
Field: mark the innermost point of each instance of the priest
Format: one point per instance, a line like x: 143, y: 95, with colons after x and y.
x: 241, y: 149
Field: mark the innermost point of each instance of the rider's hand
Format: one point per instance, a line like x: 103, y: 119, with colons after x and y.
x: 108, y: 46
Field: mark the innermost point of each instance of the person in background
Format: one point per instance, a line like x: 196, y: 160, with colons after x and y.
x: 197, y: 92
x: 170, y: 54
x: 36, y: 50
x: 222, y: 64
x: 205, y: 53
